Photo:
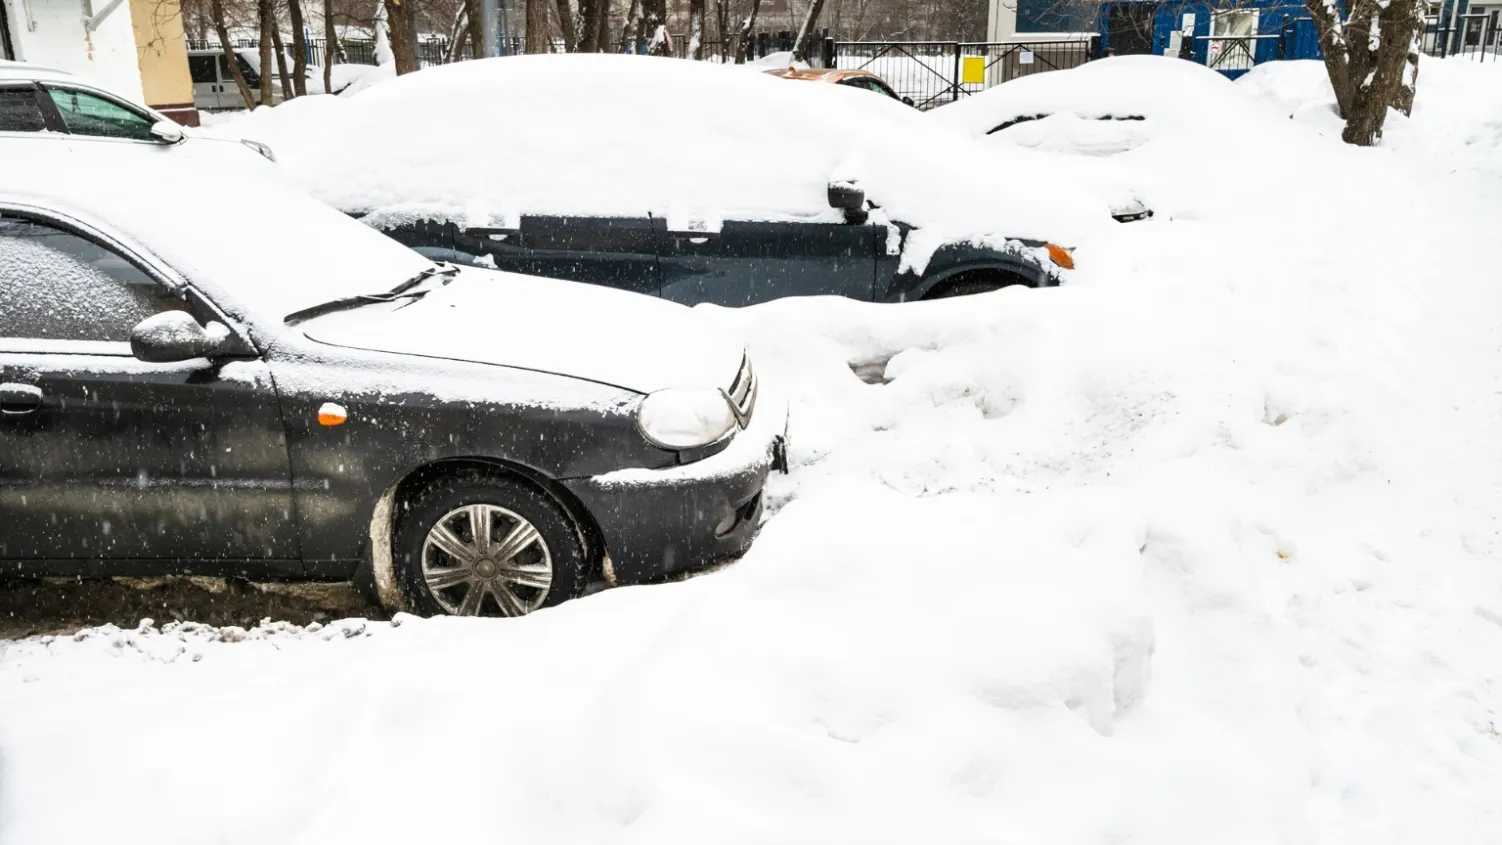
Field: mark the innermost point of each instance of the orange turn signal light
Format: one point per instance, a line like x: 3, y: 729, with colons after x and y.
x: 1061, y: 256
x: 332, y: 414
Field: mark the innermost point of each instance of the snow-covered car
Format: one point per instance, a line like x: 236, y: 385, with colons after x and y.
x: 696, y: 182
x: 861, y: 80
x: 47, y: 106
x: 1087, y: 117
x: 1100, y: 108
x: 320, y: 402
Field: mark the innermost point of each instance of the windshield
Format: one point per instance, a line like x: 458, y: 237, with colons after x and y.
x: 273, y: 250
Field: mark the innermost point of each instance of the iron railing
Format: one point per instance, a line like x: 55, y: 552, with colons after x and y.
x: 932, y: 73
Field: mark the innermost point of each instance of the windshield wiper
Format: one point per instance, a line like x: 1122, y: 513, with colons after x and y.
x: 401, y: 291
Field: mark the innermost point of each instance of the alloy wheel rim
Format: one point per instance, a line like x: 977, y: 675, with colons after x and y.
x: 486, y: 560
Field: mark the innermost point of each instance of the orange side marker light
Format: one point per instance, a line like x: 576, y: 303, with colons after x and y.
x: 332, y: 414
x: 1061, y: 256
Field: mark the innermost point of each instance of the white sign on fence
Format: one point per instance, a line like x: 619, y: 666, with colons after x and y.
x: 1025, y: 57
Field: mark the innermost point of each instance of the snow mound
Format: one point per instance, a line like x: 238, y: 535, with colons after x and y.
x: 1457, y: 112
x: 1199, y: 547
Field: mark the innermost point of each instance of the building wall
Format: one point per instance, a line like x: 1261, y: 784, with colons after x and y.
x: 52, y: 33
x: 162, y: 55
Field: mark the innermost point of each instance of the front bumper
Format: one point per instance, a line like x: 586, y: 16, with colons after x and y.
x: 657, y: 522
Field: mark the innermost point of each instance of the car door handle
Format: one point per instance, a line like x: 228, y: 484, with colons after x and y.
x: 18, y: 399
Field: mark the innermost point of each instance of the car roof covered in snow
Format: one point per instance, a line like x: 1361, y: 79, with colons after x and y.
x: 632, y: 135
x: 27, y: 70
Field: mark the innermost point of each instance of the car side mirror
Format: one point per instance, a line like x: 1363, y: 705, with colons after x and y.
x: 846, y: 197
x: 907, y: 101
x: 166, y: 131
x: 175, y: 336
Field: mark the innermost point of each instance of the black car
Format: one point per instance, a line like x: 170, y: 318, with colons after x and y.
x: 694, y: 183
x: 738, y: 262
x: 326, y: 404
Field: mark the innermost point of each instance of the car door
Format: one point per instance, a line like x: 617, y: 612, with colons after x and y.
x: 617, y: 252
x: 112, y: 465
x: 205, y: 74
x: 99, y: 123
x: 743, y: 262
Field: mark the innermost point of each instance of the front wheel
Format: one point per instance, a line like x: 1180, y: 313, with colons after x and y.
x: 485, y: 545
x: 973, y: 282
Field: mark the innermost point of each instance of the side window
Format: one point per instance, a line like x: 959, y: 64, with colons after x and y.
x: 59, y: 286
x: 883, y: 88
x: 252, y: 78
x: 87, y: 114
x: 201, y: 68
x: 19, y: 111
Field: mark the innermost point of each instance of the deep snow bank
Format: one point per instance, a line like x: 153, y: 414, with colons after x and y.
x: 1457, y: 112
x: 1201, y: 547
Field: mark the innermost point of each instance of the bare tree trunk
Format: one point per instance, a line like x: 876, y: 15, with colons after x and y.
x: 633, y: 25
x: 281, y: 57
x: 696, y: 30
x: 268, y: 29
x: 474, y: 20
x: 411, y: 7
x: 216, y: 9
x: 589, y: 26
x: 806, y: 31
x: 722, y: 26
x: 456, y: 36
x: 1371, y: 58
x: 299, y: 48
x: 566, y: 26
x: 748, y: 26
x: 1403, y: 102
x: 538, y: 37
x: 330, y: 46
x: 403, y: 44
x: 650, y: 27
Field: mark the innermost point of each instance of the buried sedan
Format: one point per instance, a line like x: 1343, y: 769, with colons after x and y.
x: 330, y: 405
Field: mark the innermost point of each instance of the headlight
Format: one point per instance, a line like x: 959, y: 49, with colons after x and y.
x: 685, y: 417
x: 260, y: 148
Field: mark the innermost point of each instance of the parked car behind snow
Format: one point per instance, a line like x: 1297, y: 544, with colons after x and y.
x: 862, y: 80
x: 1100, y: 108
x: 277, y: 391
x: 57, y: 110
x: 695, y: 182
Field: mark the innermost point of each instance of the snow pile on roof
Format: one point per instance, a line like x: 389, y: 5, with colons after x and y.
x: 1201, y: 547
x: 628, y: 135
x: 1459, y: 94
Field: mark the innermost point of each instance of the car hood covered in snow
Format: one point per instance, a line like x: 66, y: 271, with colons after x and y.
x: 604, y: 335
x: 474, y: 141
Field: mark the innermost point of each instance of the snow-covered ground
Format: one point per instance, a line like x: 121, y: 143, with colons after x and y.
x: 1200, y: 547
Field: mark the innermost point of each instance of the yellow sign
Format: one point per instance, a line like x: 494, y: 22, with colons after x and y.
x: 973, y: 70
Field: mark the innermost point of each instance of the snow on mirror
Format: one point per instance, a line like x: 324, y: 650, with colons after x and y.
x: 176, y: 336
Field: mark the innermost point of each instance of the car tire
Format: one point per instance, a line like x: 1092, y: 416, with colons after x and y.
x: 531, y: 558
x: 966, y: 287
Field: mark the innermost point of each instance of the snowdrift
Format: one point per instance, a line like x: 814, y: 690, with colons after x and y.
x: 1200, y: 547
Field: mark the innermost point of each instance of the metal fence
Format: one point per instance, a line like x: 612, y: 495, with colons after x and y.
x: 932, y: 73
x: 1474, y: 36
